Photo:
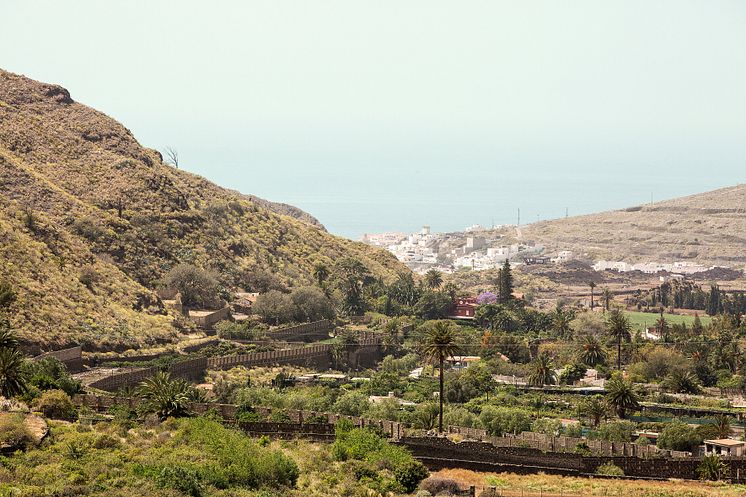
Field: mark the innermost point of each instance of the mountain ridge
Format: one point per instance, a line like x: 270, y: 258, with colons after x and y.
x: 90, y: 221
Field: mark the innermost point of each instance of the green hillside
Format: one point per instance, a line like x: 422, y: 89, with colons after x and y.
x: 90, y: 221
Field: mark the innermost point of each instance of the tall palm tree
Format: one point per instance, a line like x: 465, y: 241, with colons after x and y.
x: 621, y: 395
x: 592, y: 352
x: 439, y: 343
x: 607, y: 296
x: 433, y: 279
x: 619, y: 328
x: 321, y: 273
x: 12, y: 378
x: 593, y: 287
x: 542, y: 371
x: 662, y: 326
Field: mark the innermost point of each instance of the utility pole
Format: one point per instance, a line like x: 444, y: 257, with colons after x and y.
x: 567, y: 210
x: 519, y: 216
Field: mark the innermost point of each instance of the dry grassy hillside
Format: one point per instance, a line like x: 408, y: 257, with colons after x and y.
x: 709, y: 228
x: 82, y: 200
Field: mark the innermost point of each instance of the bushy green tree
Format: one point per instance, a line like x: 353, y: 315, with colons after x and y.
x: 432, y: 305
x: 274, y: 307
x: 500, y: 420
x: 310, y: 304
x: 679, y: 436
x: 198, y: 287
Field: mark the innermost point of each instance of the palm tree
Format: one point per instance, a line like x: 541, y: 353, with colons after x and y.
x: 607, y: 296
x: 682, y: 381
x: 621, y: 395
x: 391, y: 335
x: 542, y: 371
x: 165, y: 396
x: 451, y: 289
x: 12, y: 378
x: 619, y: 328
x: 433, y: 279
x: 7, y: 337
x: 561, y: 320
x: 320, y: 272
x: 662, y: 326
x: 592, y: 352
x: 595, y: 409
x: 722, y: 426
x: 439, y: 343
x: 593, y: 286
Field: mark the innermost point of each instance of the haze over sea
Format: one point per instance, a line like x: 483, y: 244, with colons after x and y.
x: 387, y: 115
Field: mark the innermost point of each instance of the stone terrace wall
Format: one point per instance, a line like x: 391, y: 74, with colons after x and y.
x: 483, y: 456
x: 317, y: 356
x: 72, y: 358
x: 209, y: 320
x: 307, y: 332
x: 392, y: 429
x: 549, y: 443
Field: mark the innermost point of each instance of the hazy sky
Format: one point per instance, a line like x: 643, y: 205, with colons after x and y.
x: 390, y: 114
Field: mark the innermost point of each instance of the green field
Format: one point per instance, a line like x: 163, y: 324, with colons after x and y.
x: 639, y: 320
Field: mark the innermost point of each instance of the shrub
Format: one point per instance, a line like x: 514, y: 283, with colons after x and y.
x: 436, y: 485
x: 366, y: 445
x: 410, y: 473
x: 50, y: 373
x: 351, y: 404
x: 609, y: 469
x: 56, y: 404
x: 547, y: 426
x: 618, y: 431
x: 713, y: 468
x: 13, y: 431
x: 185, y: 480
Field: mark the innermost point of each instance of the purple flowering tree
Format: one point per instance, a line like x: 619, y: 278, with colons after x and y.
x: 486, y: 298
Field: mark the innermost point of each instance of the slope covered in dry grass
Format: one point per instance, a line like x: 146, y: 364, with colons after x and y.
x: 709, y: 228
x: 90, y: 221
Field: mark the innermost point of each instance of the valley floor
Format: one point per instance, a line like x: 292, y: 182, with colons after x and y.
x: 511, y: 484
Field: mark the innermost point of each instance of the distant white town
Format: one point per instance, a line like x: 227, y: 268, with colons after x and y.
x: 478, y: 249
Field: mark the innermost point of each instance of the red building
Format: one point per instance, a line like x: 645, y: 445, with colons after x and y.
x: 463, y: 308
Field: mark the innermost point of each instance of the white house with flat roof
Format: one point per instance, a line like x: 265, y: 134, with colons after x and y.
x: 725, y: 447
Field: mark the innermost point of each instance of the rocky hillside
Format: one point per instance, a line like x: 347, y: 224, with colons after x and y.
x: 709, y: 228
x: 90, y: 221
